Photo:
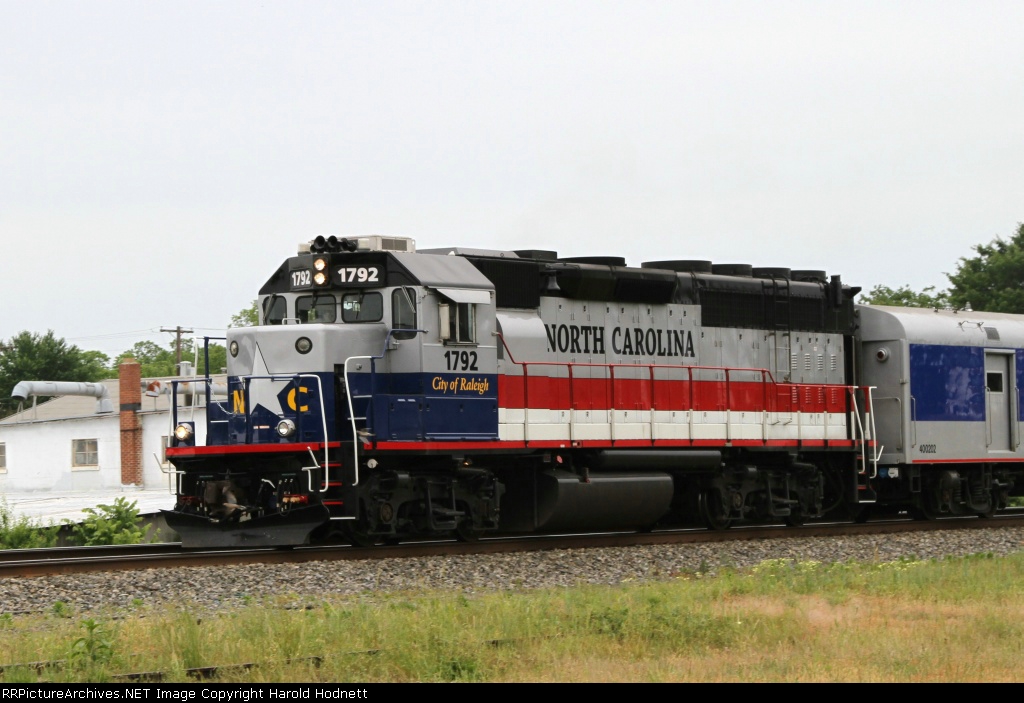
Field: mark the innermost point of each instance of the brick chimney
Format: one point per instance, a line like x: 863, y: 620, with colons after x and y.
x: 130, y: 375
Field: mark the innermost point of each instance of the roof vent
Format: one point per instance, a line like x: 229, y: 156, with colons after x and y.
x: 992, y: 333
x: 733, y: 270
x: 810, y: 276
x: 537, y: 254
x: 680, y: 265
x: 771, y: 272
x: 597, y: 260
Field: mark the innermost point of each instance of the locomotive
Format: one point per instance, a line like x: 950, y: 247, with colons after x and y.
x: 389, y: 393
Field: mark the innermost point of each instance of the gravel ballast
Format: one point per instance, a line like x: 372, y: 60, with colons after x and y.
x: 232, y: 586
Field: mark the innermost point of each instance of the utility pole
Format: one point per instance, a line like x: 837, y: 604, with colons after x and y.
x: 178, y: 331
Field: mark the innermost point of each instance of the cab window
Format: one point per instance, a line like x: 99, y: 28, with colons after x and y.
x: 274, y: 310
x: 403, y: 312
x: 362, y: 307
x: 316, y: 308
x: 459, y: 321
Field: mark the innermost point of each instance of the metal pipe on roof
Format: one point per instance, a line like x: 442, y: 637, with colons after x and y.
x: 156, y: 388
x: 27, y: 389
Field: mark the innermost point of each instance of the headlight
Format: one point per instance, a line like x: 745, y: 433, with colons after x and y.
x: 183, y: 432
x: 285, y: 428
x: 320, y: 278
x: 233, y: 348
x: 319, y: 264
x: 303, y: 345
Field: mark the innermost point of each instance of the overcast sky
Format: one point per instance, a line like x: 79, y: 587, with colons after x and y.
x: 159, y: 159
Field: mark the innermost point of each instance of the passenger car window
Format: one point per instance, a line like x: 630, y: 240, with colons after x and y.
x: 362, y: 307
x: 995, y: 382
x: 316, y: 308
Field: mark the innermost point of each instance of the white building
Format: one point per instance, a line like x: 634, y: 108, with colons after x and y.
x: 65, y: 454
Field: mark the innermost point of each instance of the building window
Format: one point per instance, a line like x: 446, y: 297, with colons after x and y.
x: 3, y: 457
x: 85, y: 453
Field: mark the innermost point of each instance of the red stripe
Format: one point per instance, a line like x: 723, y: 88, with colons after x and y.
x: 597, y: 444
x: 186, y: 452
x: 983, y: 460
x: 175, y: 452
x: 667, y: 394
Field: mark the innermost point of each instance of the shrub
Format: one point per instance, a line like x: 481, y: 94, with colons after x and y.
x: 95, y: 647
x: 111, y: 524
x: 20, y: 532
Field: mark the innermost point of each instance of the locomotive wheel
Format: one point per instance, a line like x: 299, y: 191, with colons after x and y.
x: 797, y: 516
x: 712, y: 509
x: 360, y: 539
x: 466, y: 532
x: 861, y: 514
x: 990, y: 511
x: 926, y: 511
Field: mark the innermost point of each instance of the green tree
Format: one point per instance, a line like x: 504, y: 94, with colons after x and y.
x: 218, y: 356
x: 29, y: 356
x: 246, y: 317
x: 994, y: 279
x: 156, y: 361
x: 99, y: 363
x: 905, y: 297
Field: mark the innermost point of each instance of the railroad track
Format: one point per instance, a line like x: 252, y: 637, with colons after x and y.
x: 75, y: 560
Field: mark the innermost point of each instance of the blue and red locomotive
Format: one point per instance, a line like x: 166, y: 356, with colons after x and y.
x: 389, y: 393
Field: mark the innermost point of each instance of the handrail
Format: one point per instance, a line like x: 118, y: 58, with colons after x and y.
x: 913, y: 421
x: 348, y: 393
x: 206, y: 364
x: 294, y: 377
x: 173, y: 402
x: 868, y: 404
x: 767, y: 379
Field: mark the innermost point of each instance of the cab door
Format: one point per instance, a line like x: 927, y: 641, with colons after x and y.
x: 460, y: 365
x: 399, y: 406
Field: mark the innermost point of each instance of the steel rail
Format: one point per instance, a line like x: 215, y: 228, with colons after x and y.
x: 135, y: 557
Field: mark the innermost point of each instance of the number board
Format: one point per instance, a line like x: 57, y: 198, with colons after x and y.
x: 300, y: 279
x: 357, y: 275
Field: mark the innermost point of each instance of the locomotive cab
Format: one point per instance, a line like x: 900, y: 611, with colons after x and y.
x: 357, y: 345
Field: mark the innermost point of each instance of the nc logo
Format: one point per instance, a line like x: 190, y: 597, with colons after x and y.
x: 291, y: 399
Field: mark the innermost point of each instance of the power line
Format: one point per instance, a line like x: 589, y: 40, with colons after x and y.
x: 112, y: 335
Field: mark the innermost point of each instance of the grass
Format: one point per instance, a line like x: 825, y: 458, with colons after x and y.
x: 950, y: 620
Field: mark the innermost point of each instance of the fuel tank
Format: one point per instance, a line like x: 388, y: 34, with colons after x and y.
x: 554, y: 500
